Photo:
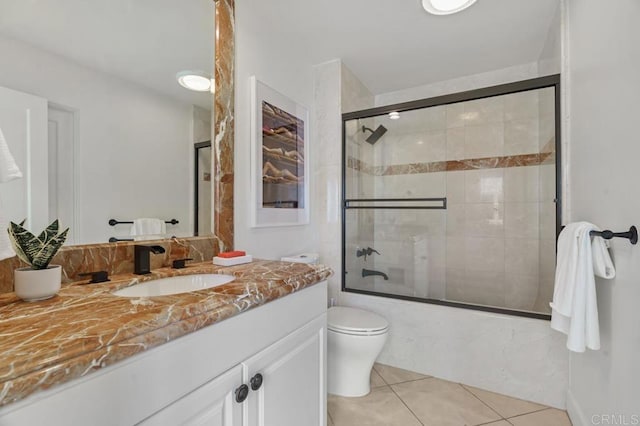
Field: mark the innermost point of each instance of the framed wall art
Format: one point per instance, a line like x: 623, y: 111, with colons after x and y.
x: 280, y: 167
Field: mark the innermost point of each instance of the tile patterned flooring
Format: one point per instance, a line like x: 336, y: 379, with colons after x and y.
x: 404, y: 398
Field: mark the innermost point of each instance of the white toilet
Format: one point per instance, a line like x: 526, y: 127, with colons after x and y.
x: 355, y: 339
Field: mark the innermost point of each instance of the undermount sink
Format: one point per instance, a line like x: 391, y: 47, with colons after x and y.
x: 175, y: 285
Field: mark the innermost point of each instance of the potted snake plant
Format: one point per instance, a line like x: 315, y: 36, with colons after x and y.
x: 40, y: 280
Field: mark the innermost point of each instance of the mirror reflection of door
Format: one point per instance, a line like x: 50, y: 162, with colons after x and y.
x: 23, y: 122
x: 203, y: 189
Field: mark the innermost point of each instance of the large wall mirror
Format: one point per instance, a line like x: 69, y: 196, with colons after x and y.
x: 92, y: 110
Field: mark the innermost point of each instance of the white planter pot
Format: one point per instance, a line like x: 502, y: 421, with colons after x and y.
x: 37, y: 284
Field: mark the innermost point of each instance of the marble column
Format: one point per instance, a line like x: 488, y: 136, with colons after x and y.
x: 224, y: 121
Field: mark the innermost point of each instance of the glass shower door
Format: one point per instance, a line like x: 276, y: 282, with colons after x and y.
x: 455, y: 200
x: 395, y: 222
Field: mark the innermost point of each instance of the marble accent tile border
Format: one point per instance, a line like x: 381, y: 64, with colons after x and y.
x: 454, y: 165
x: 115, y: 258
x: 224, y: 121
x: 550, y: 146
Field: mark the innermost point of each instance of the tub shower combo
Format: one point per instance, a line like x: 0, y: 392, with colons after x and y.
x: 454, y: 200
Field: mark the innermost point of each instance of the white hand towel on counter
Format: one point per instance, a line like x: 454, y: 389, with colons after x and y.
x: 9, y: 171
x: 574, y: 307
x: 148, y: 228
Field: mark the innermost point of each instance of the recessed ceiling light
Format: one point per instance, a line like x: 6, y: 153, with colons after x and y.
x: 198, y: 81
x: 446, y: 7
x: 394, y: 115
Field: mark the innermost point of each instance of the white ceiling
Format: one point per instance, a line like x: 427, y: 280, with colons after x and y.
x: 394, y: 44
x: 390, y: 45
x: 144, y: 41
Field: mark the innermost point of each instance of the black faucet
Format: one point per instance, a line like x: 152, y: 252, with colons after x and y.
x: 369, y: 273
x: 96, y: 277
x: 180, y: 263
x: 142, y: 258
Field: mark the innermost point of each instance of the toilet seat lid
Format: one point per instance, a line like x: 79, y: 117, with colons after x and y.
x: 355, y: 320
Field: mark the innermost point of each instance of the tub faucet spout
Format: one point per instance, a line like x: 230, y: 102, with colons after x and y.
x: 369, y: 273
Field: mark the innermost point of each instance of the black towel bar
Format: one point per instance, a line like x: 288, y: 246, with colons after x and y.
x: 631, y: 234
x: 114, y: 222
x: 115, y: 240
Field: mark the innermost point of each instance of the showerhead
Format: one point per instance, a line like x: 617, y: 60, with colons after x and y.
x: 375, y: 134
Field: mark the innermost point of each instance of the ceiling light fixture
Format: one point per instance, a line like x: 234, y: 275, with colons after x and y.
x: 198, y: 81
x: 446, y: 7
x: 394, y: 115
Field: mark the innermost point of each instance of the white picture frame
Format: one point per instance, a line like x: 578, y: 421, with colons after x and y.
x: 279, y: 158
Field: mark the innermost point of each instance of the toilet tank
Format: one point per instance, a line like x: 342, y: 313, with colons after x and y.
x: 309, y: 258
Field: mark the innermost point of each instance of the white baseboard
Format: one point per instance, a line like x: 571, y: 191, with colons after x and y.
x: 576, y: 414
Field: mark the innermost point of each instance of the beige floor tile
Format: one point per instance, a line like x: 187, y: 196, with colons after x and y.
x: 505, y: 405
x: 498, y: 423
x: 550, y: 417
x: 380, y: 408
x: 376, y: 380
x: 440, y: 403
x: 393, y: 375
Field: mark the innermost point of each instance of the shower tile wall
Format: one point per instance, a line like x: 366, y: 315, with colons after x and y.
x: 495, y: 243
x: 501, y: 222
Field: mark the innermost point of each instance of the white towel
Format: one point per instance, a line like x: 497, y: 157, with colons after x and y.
x: 149, y: 237
x: 148, y: 227
x: 574, y: 307
x: 9, y: 170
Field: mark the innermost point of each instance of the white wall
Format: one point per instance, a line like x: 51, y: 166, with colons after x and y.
x: 550, y: 61
x: 510, y: 355
x: 604, y: 88
x: 281, y: 69
x: 133, y: 145
x: 326, y: 205
x: 470, y: 82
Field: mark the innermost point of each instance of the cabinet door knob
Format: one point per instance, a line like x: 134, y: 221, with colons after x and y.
x: 241, y: 393
x: 256, y: 381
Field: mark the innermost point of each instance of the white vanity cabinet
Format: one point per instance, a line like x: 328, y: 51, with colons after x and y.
x: 193, y: 379
x: 283, y: 385
x: 293, y: 384
x: 212, y: 404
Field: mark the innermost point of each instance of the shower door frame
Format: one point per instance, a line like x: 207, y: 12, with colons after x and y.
x: 486, y: 92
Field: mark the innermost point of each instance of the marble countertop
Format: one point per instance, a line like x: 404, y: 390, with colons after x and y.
x: 86, y: 328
